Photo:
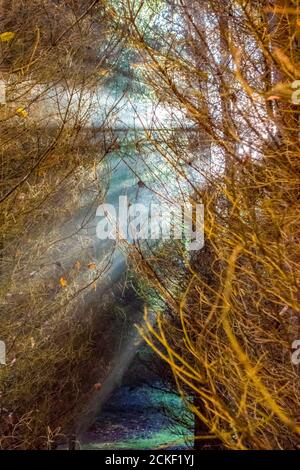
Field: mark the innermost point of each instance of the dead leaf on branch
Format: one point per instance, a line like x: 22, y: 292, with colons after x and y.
x: 63, y: 282
x: 92, y: 266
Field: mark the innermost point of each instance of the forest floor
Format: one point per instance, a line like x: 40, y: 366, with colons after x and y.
x: 137, y: 418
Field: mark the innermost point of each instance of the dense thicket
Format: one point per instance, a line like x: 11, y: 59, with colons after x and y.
x: 226, y: 71
x: 225, y: 75
x: 53, y: 63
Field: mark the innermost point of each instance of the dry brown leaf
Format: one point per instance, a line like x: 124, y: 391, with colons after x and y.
x: 92, y: 266
x: 77, y: 265
x: 273, y: 97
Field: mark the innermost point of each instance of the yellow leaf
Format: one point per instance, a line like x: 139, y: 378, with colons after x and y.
x: 103, y: 72
x: 7, y: 36
x: 22, y: 112
x: 63, y: 282
x: 92, y: 266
